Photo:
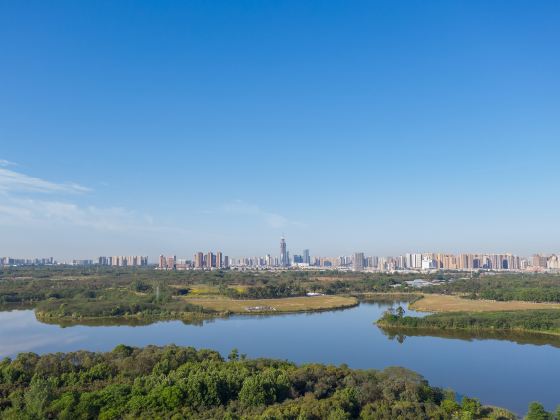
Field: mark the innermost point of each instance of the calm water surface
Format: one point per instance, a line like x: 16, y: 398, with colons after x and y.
x: 499, y: 372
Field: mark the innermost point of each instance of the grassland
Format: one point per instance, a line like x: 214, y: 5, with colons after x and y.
x: 452, y: 303
x: 292, y: 304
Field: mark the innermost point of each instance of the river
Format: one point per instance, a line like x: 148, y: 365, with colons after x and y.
x: 499, y: 372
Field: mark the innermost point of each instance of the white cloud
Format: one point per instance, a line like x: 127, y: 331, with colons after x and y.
x: 273, y: 220
x: 4, y: 162
x: 19, y: 206
x: 11, y: 181
x: 30, y: 212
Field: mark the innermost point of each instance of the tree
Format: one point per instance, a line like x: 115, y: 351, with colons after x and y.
x: 537, y: 412
x: 233, y: 354
x: 400, y: 311
x: 471, y: 405
x: 37, y: 397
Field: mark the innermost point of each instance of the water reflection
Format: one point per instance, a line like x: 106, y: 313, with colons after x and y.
x: 399, y: 334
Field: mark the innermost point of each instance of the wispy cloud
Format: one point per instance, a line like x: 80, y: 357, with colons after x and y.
x: 4, y: 162
x: 273, y: 220
x: 23, y: 203
x: 31, y: 212
x: 17, y: 182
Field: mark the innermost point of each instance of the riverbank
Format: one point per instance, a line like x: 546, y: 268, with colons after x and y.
x: 140, y: 318
x: 191, y: 310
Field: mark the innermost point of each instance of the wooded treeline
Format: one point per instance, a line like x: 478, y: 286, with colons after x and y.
x: 179, y: 382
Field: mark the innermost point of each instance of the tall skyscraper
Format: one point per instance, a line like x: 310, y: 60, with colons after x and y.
x: 358, y: 261
x: 210, y: 260
x: 219, y: 259
x: 283, y: 253
x: 199, y: 260
x: 306, y: 257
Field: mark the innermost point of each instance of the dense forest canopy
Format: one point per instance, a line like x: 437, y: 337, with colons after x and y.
x: 181, y: 382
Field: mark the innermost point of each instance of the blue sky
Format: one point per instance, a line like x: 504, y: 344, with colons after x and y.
x: 385, y: 127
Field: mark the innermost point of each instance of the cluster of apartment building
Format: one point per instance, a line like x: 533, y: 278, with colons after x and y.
x: 356, y: 262
x: 359, y: 262
x: 123, y: 261
x: 413, y: 261
x: 438, y: 261
x: 200, y: 261
x: 545, y: 262
x: 9, y: 261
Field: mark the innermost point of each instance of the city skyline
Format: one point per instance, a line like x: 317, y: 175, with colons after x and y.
x: 283, y: 258
x: 415, y: 261
x: 376, y: 127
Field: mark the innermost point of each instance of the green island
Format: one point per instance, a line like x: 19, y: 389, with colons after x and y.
x: 109, y: 295
x: 68, y: 295
x: 531, y: 321
x: 498, y: 304
x: 181, y: 382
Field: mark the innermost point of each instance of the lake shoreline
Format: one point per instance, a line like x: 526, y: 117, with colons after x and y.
x: 188, y: 317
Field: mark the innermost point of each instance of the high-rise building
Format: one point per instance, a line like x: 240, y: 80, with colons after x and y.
x: 372, y: 262
x: 306, y: 256
x: 171, y: 262
x: 284, y: 262
x: 553, y: 262
x: 358, y: 261
x: 125, y: 261
x: 539, y: 261
x: 104, y: 261
x: 219, y: 259
x: 82, y: 262
x: 429, y: 263
x: 210, y: 260
x: 199, y: 260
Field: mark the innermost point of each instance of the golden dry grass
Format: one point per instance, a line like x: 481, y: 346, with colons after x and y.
x: 294, y: 304
x: 202, y: 289
x: 447, y: 303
